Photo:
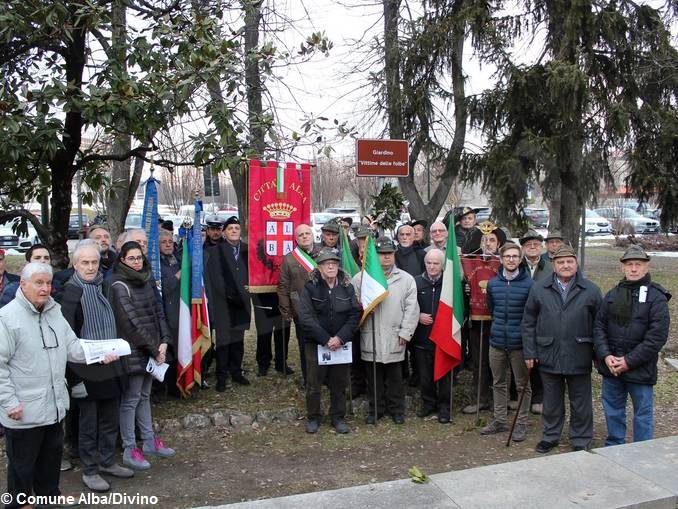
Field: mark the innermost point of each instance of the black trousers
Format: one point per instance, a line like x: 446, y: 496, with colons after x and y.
x: 99, y: 421
x: 537, y: 386
x: 269, y: 324
x: 390, y: 392
x: 581, y: 407
x: 301, y: 344
x: 435, y: 395
x: 229, y: 357
x: 34, y: 460
x: 336, y: 377
x: 483, y: 371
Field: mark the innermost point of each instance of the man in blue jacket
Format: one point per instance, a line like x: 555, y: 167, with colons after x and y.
x: 631, y: 328
x: 506, y: 296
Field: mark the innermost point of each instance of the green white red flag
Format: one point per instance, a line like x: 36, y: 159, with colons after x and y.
x: 373, y: 284
x: 446, y: 330
x: 348, y: 264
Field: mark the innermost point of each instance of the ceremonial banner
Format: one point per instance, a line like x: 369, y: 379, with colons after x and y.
x: 478, y: 270
x: 279, y: 201
x: 446, y: 330
x: 149, y: 222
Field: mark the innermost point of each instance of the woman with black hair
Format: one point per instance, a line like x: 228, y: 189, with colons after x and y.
x: 140, y: 320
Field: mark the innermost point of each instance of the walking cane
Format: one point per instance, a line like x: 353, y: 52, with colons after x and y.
x: 480, y: 372
x: 374, y: 371
x: 520, y: 404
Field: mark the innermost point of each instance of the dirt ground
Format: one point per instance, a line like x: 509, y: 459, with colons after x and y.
x: 218, y: 465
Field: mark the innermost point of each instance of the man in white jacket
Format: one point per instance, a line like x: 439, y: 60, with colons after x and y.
x: 35, y: 343
x: 394, y: 321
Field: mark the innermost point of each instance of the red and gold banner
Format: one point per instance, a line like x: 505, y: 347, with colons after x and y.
x: 279, y: 201
x: 478, y: 270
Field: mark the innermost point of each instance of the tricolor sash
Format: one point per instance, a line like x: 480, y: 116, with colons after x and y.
x: 304, y: 259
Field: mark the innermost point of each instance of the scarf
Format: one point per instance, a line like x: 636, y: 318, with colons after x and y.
x: 621, y: 307
x: 136, y: 277
x: 98, y: 320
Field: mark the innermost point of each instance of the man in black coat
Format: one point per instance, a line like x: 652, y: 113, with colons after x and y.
x: 411, y: 260
x: 435, y: 396
x: 328, y: 314
x: 557, y: 331
x: 170, y: 273
x: 631, y: 328
x: 227, y: 280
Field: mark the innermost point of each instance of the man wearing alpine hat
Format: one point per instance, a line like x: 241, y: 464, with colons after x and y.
x: 631, y: 328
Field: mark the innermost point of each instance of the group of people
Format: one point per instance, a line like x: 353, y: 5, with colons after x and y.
x: 107, y: 293
x: 534, y: 325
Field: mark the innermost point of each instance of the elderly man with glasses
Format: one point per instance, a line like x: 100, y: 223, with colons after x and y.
x: 35, y: 343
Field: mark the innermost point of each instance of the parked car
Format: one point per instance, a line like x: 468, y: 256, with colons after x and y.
x: 597, y: 224
x: 133, y: 220
x: 77, y: 225
x: 483, y: 214
x: 318, y: 219
x: 344, y: 212
x: 538, y: 217
x: 626, y: 220
x: 11, y: 239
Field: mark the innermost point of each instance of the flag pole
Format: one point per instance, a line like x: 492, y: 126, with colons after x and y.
x: 374, y: 370
x: 451, y: 387
x: 480, y: 372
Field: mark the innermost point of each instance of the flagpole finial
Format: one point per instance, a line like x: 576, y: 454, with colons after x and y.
x: 152, y: 168
x: 197, y: 193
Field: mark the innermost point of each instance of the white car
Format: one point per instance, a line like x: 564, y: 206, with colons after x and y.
x: 318, y: 219
x: 625, y: 221
x: 11, y: 240
x: 597, y: 224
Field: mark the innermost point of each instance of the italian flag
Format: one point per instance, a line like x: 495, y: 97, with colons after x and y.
x: 347, y: 262
x: 185, y: 375
x: 446, y: 330
x: 373, y: 285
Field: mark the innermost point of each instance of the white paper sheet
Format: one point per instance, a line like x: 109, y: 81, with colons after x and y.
x: 157, y: 370
x: 96, y: 349
x: 343, y: 355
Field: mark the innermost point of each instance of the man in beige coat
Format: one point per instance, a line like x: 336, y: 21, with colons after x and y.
x: 393, y: 323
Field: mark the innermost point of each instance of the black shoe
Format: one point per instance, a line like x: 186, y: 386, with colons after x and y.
x: 340, y: 426
x: 443, y: 417
x: 262, y: 371
x: 545, y: 446
x: 204, y: 385
x: 221, y: 385
x: 398, y: 418
x: 370, y: 418
x: 288, y: 370
x: 425, y: 411
x: 358, y: 393
x: 312, y: 426
x: 240, y: 379
x: 579, y: 448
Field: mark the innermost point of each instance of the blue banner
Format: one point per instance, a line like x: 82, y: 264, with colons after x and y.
x: 196, y: 253
x: 149, y: 222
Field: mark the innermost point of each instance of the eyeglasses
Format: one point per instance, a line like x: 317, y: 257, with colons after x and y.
x: 438, y: 231
x: 510, y: 257
x: 52, y: 338
x: 134, y: 258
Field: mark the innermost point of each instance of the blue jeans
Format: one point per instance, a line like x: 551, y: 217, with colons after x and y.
x: 615, y: 391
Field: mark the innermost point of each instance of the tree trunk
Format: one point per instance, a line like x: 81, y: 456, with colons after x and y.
x: 392, y: 69
x: 63, y: 169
